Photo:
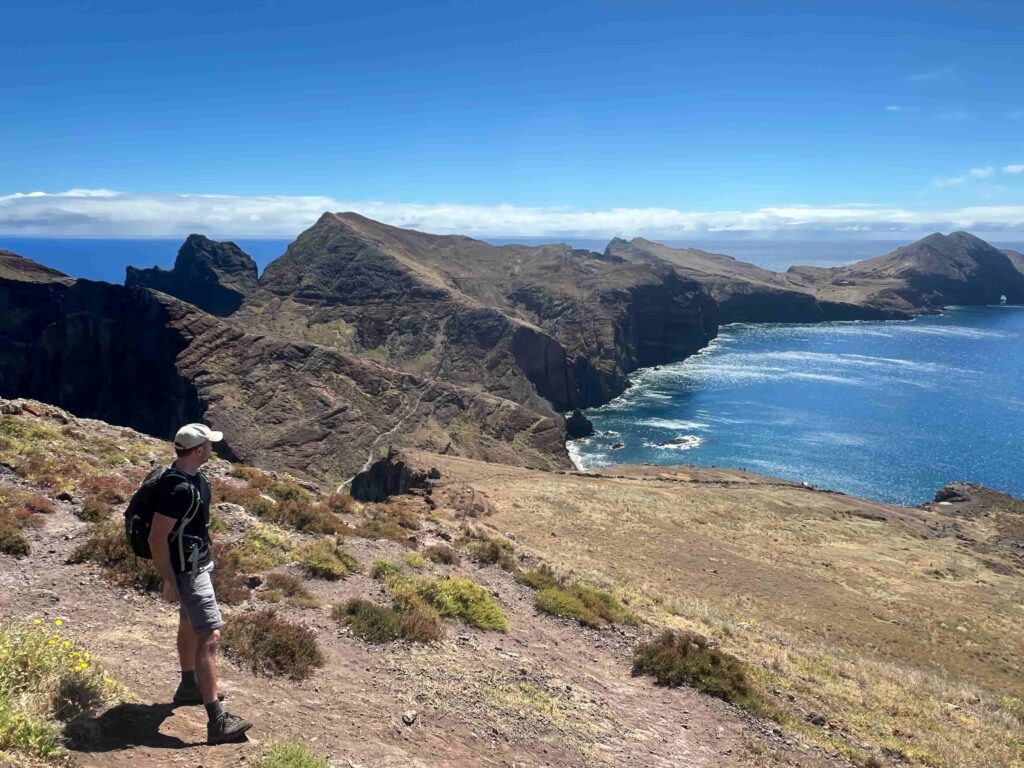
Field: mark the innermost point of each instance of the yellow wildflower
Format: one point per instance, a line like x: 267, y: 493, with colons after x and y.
x: 37, y: 622
x: 57, y: 622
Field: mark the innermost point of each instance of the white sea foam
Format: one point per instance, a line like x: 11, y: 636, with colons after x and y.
x: 574, y: 447
x: 674, y: 424
x: 681, y: 443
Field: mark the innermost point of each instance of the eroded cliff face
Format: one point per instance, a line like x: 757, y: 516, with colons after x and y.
x: 148, y: 360
x: 547, y: 326
x: 98, y: 350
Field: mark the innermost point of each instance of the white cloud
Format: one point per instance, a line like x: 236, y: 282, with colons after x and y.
x: 1015, y: 168
x: 981, y: 173
x: 99, y: 213
x: 955, y: 181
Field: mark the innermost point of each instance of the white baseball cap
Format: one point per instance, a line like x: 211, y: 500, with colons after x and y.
x: 192, y: 435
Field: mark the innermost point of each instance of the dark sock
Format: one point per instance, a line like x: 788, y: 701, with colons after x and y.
x: 214, y: 710
x: 189, y: 678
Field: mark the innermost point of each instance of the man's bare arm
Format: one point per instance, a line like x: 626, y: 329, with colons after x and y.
x: 159, y: 533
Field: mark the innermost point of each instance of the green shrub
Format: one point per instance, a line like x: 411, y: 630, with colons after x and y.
x: 587, y: 605
x: 262, y: 548
x: 605, y: 605
x: 415, y: 560
x: 230, y: 582
x: 285, y: 490
x: 327, y: 559
x: 442, y: 553
x: 305, y: 516
x: 289, y: 755
x: 385, y: 521
x: 340, y: 503
x: 538, y: 578
x: 563, y: 603
x: 492, y: 551
x: 94, y: 509
x: 383, y: 570
x: 106, y: 546
x: 380, y: 624
x: 255, y: 478
x: 12, y: 540
x: 45, y: 678
x: 270, y: 645
x: 685, y: 658
x: 369, y: 621
x: 464, y: 600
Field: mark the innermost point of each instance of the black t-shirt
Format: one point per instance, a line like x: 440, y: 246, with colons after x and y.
x: 186, y: 497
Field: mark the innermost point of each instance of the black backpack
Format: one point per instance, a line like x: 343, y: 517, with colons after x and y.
x: 138, y: 515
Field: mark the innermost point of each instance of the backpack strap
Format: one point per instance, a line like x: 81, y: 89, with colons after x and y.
x: 179, y: 528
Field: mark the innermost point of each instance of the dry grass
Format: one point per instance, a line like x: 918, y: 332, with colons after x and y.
x: 902, y: 641
x: 442, y: 554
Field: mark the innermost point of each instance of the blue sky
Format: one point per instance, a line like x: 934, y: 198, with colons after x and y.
x: 593, y: 118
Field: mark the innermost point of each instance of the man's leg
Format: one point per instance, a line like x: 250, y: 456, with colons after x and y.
x: 205, y: 663
x: 187, y: 645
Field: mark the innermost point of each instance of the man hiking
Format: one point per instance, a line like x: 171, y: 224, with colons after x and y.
x: 182, y: 553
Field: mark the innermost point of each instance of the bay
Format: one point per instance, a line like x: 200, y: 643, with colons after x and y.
x: 886, y: 410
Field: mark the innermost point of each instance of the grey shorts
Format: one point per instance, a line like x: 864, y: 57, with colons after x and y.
x: 198, y: 603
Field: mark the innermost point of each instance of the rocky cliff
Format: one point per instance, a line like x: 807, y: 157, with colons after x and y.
x: 216, y: 277
x: 141, y: 358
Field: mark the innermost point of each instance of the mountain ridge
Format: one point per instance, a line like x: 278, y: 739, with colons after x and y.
x: 466, y: 347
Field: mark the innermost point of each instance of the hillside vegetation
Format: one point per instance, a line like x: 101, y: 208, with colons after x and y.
x: 652, y: 617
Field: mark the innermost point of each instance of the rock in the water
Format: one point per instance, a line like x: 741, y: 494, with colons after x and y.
x: 578, y: 425
x: 617, y: 446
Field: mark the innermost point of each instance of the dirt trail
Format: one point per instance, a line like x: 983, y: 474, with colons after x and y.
x: 548, y: 693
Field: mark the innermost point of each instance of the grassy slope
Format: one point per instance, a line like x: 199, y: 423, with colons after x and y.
x: 904, y: 639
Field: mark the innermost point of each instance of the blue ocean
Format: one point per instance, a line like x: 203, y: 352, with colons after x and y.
x: 886, y: 410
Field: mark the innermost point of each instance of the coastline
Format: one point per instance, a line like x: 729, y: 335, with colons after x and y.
x: 806, y: 361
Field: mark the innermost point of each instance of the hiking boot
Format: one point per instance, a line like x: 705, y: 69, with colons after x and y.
x: 189, y: 694
x: 227, y: 727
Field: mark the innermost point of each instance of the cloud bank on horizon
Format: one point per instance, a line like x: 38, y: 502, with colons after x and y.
x: 106, y: 213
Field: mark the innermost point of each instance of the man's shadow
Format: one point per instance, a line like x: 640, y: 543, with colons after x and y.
x: 121, y: 727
